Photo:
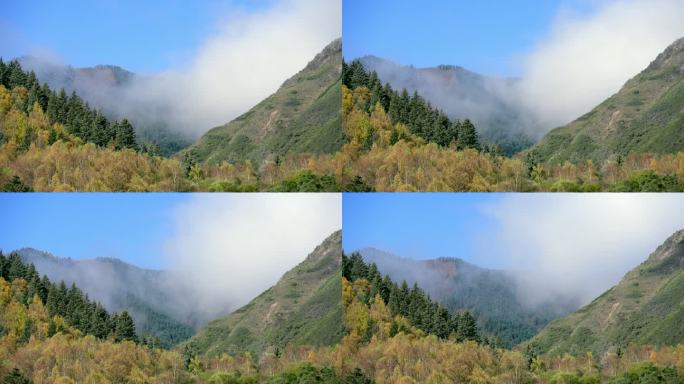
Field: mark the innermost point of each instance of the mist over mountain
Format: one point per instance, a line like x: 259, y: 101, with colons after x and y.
x: 152, y: 297
x: 303, y: 308
x: 645, y: 116
x: 645, y: 308
x: 112, y: 89
x: 493, y: 296
x: 303, y: 115
x: 488, y: 101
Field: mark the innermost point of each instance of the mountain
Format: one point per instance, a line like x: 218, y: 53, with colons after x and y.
x: 461, y: 94
x: 646, y: 115
x: 490, y: 295
x: 303, y: 308
x: 105, y: 87
x: 145, y: 294
x: 303, y: 115
x: 645, y: 307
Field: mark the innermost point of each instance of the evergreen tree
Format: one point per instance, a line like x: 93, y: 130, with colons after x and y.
x: 69, y: 303
x: 467, y: 136
x: 125, y: 135
x: 467, y: 328
x: 125, y: 328
x: 413, y: 111
x: 79, y: 119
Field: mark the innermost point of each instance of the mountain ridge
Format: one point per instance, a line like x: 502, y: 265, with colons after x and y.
x: 645, y: 116
x: 462, y: 93
x: 491, y: 295
x: 303, y: 115
x: 644, y: 307
x: 120, y: 286
x: 303, y: 307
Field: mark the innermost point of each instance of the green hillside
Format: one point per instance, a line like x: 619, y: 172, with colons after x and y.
x: 645, y: 307
x: 302, y: 116
x: 303, y: 308
x: 646, y: 115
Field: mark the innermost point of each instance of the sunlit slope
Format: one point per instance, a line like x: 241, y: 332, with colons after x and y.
x: 303, y: 308
x: 304, y: 115
x: 646, y: 115
x: 645, y: 307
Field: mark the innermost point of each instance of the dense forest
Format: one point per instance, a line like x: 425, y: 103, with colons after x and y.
x: 72, y: 112
x: 53, y: 334
x: 387, y: 347
x: 411, y: 303
x: 414, y: 112
x: 50, y: 147
x: 70, y: 304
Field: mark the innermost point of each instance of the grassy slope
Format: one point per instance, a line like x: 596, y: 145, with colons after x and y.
x: 646, y: 115
x: 645, y: 307
x: 303, y: 308
x: 302, y: 116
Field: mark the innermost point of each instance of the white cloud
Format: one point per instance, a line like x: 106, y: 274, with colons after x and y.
x: 247, y: 57
x: 579, y: 245
x: 588, y: 57
x: 231, y: 247
x: 247, y: 60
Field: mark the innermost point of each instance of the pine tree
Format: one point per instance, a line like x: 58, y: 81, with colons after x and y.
x: 467, y: 136
x: 125, y: 328
x: 467, y: 328
x: 125, y: 135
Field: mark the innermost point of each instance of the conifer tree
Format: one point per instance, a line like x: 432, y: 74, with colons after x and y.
x: 467, y: 328
x: 467, y: 136
x: 125, y: 328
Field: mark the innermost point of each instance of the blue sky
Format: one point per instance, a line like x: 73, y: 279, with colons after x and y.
x: 128, y: 226
x: 558, y: 233
x: 418, y: 225
x: 142, y: 36
x: 484, y: 36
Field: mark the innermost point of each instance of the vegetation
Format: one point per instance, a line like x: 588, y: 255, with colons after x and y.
x: 143, y: 293
x: 645, y: 116
x: 64, y: 145
x: 71, y: 112
x: 302, y: 116
x: 400, y: 300
x: 413, y: 112
x: 53, y: 334
x: 62, y: 305
x: 644, y: 308
x: 389, y: 349
x: 491, y: 296
x: 303, y: 308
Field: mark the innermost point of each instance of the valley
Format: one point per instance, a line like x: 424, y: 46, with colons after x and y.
x: 301, y: 312
x: 381, y: 139
x: 399, y: 334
